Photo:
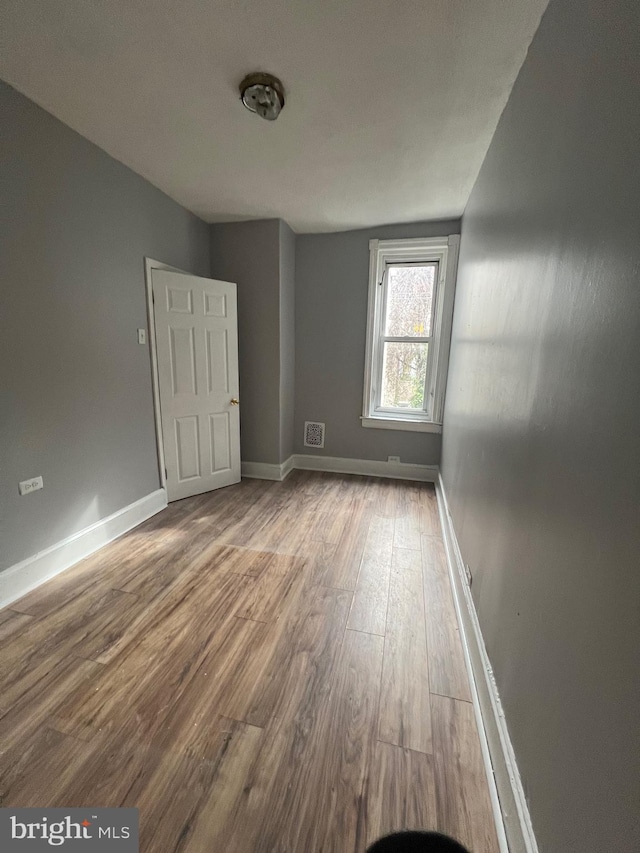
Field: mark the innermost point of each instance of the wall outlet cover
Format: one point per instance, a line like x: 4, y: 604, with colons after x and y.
x: 467, y: 571
x: 393, y: 459
x: 32, y: 485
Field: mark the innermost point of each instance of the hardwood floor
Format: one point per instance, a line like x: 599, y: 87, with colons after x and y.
x: 270, y: 668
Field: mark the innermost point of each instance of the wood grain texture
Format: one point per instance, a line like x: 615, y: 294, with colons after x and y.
x: 310, y: 776
x: 400, y: 792
x: 268, y: 597
x: 41, y: 702
x: 462, y: 795
x: 408, y: 519
x: 345, y: 565
x: 428, y: 511
x: 447, y: 670
x: 335, y: 775
x: 141, y: 685
x: 83, y: 625
x: 12, y: 622
x: 249, y: 668
x: 405, y: 716
x: 298, y: 674
x: 226, y: 790
x: 369, y: 609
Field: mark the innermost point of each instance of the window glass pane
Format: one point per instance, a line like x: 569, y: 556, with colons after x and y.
x: 404, y: 371
x: 409, y: 299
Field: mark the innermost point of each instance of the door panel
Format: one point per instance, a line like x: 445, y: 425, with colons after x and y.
x: 183, y: 361
x: 197, y: 349
x: 187, y: 448
x: 220, y: 441
x: 217, y: 362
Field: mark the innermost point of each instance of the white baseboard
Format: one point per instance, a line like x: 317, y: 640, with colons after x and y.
x: 266, y: 470
x: 515, y: 832
x: 337, y: 465
x: 367, y: 467
x: 25, y: 576
x: 287, y: 466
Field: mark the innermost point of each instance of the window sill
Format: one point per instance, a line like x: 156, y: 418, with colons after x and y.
x: 401, y: 424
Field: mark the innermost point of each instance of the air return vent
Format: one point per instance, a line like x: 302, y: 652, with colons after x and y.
x: 313, y: 434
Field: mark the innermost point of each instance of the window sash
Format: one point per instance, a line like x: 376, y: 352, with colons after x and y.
x: 410, y: 252
x: 382, y: 339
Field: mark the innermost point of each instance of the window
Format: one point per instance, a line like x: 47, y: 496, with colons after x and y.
x: 411, y: 284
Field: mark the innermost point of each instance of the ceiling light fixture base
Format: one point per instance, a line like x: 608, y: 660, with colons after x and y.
x: 263, y: 94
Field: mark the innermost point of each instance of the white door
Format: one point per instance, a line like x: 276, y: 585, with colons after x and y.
x: 196, y: 329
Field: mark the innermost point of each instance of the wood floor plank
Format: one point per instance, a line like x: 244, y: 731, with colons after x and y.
x: 319, y: 557
x: 12, y: 622
x: 400, y: 792
x: 28, y: 656
x: 33, y: 775
x: 342, y: 573
x: 41, y: 701
x: 308, y: 779
x: 275, y: 786
x: 462, y: 795
x: 249, y: 528
x: 223, y: 685
x: 142, y: 683
x: 219, y: 815
x: 97, y: 642
x: 405, y: 716
x: 384, y: 497
x: 223, y: 667
x: 111, y: 566
x: 268, y: 596
x: 241, y: 561
x: 338, y: 762
x: 332, y: 515
x: 407, y: 523
x: 194, y: 551
x: 428, y: 511
x: 164, y: 591
x: 298, y: 675
x: 100, y: 771
x: 369, y: 608
x: 447, y: 669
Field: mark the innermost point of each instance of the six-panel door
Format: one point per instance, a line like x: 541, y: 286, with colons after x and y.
x: 196, y: 328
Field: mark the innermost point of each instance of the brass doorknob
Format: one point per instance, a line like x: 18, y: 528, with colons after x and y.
x: 235, y: 402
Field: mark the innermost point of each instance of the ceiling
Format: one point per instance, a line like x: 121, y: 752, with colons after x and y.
x: 390, y: 104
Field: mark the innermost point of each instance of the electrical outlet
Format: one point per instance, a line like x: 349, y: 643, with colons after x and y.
x: 394, y: 460
x: 467, y: 571
x: 142, y: 336
x: 32, y: 485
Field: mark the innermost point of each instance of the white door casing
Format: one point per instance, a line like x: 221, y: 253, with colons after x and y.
x: 196, y: 338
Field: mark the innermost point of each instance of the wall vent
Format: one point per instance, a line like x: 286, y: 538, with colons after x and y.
x: 313, y: 434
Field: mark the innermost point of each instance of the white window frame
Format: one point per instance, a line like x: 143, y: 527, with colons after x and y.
x: 382, y: 254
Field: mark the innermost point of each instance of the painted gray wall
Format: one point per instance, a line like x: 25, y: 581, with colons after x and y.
x: 75, y: 392
x: 332, y: 284
x: 287, y: 338
x: 542, y: 439
x: 249, y: 254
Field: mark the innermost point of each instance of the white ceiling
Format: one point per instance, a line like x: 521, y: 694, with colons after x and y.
x: 391, y: 104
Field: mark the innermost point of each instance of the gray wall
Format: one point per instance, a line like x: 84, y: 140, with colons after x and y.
x: 75, y: 390
x: 542, y: 439
x: 332, y: 283
x: 287, y: 338
x: 249, y: 254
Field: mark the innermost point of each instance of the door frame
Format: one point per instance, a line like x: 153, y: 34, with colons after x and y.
x: 149, y: 265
